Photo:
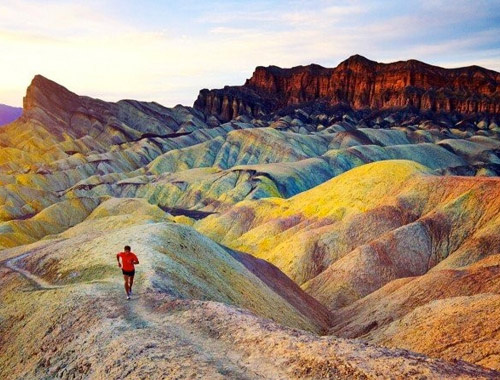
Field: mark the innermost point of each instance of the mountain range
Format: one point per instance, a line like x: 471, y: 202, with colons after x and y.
x: 311, y: 223
x: 8, y: 114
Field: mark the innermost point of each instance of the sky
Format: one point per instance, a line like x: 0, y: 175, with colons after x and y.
x: 166, y: 51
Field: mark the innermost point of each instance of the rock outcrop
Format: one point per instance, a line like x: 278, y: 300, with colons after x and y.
x: 63, y: 112
x: 359, y: 83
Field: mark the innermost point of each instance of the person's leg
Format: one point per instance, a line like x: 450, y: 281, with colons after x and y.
x: 131, y: 282
x: 127, y: 290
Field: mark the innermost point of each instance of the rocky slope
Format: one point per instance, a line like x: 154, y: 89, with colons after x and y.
x: 64, y: 314
x: 360, y: 83
x: 346, y: 203
x: 417, y: 310
x: 86, y: 330
x: 177, y: 261
x: 334, y: 238
x: 392, y: 250
x: 68, y: 146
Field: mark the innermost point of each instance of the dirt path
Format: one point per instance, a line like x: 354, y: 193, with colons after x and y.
x: 35, y: 280
x: 227, y: 358
x: 176, y: 341
x: 223, y: 357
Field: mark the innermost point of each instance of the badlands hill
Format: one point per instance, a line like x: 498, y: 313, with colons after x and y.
x: 312, y: 239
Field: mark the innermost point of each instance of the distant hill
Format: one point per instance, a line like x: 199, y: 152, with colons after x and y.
x: 8, y: 114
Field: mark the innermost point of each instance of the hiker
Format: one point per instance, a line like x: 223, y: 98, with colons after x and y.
x: 128, y: 260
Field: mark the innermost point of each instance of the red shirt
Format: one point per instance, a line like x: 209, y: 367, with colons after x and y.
x: 128, y: 260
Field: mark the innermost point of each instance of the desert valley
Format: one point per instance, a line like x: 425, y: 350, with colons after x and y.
x: 336, y: 223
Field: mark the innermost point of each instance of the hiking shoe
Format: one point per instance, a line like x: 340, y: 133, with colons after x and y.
x: 128, y: 297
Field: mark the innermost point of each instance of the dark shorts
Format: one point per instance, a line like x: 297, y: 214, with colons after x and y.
x: 127, y: 273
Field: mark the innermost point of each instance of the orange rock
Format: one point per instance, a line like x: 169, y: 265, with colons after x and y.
x: 361, y: 83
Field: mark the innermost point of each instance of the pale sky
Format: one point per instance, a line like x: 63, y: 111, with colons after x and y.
x: 167, y: 51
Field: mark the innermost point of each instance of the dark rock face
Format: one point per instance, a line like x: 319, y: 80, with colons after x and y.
x: 231, y: 102
x: 359, y: 83
x: 64, y: 112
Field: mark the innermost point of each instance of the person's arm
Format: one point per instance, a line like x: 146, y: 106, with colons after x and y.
x: 118, y: 259
x: 136, y: 260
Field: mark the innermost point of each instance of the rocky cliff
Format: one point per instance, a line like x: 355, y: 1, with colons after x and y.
x: 360, y: 83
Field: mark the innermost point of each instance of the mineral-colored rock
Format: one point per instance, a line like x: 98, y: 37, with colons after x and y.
x: 351, y: 235
x: 361, y: 83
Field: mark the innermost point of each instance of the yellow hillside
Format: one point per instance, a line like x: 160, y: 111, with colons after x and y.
x: 373, y: 216
x: 280, y: 230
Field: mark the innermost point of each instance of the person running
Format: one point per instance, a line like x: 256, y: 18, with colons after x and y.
x: 128, y: 260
